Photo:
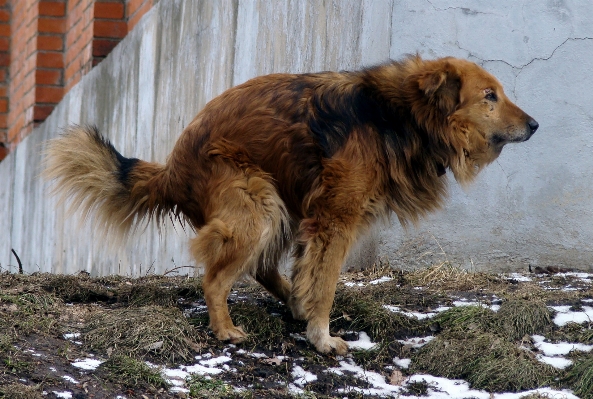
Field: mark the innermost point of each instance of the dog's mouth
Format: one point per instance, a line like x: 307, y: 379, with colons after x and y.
x: 441, y: 170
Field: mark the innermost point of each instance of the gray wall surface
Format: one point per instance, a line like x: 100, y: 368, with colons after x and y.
x: 533, y: 205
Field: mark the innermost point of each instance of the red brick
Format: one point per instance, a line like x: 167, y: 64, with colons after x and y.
x: 109, y: 10
x: 3, y: 3
x: 3, y: 90
x: 5, y: 30
x: 41, y: 112
x: 50, y: 60
x: 73, y: 3
x: 48, y: 76
x: 51, y: 25
x: 52, y: 9
x: 132, y: 6
x: 4, y: 15
x: 4, y: 59
x: 102, y: 47
x: 103, y: 28
x: 51, y: 43
x: 4, y: 44
x: 3, y: 105
x: 2, y: 75
x: 48, y: 94
x: 144, y: 8
x: 3, y: 152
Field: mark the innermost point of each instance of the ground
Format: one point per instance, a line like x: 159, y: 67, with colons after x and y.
x: 437, y: 332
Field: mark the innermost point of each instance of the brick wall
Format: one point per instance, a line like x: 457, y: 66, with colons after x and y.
x: 46, y: 47
x: 4, y: 64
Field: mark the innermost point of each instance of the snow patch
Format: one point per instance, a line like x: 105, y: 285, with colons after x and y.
x: 416, y: 342
x: 70, y: 379
x: 301, y: 376
x: 565, y: 315
x: 87, y: 364
x: 363, y: 342
x: 381, y: 280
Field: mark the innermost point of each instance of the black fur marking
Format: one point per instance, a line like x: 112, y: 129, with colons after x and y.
x: 333, y: 113
x: 124, y: 165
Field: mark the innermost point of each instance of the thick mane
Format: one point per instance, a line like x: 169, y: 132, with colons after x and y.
x: 416, y: 154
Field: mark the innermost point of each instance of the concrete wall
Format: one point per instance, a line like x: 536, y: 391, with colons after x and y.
x: 534, y: 205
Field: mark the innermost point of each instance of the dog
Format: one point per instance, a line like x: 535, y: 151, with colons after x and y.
x: 299, y: 161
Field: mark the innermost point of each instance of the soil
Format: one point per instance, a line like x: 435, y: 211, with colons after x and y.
x: 37, y: 311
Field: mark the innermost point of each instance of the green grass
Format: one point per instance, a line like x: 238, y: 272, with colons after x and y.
x: 132, y: 373
x: 519, y: 317
x: 204, y: 387
x: 487, y: 361
x: 580, y: 377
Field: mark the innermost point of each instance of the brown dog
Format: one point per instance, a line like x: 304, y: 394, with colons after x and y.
x: 307, y: 162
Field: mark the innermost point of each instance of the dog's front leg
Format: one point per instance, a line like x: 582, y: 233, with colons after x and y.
x: 323, y: 249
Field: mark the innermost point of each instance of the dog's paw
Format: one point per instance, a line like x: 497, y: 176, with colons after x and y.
x: 233, y: 334
x: 329, y: 343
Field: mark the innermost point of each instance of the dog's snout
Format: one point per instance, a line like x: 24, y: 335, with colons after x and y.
x: 533, y: 125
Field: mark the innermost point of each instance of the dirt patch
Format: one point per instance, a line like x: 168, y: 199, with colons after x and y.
x: 103, y: 337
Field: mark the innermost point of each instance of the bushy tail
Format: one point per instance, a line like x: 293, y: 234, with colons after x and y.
x: 121, y: 193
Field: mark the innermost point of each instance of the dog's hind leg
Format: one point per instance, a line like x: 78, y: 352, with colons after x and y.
x: 245, y: 224
x: 272, y: 281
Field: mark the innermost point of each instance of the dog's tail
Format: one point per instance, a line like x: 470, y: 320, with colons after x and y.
x: 121, y: 193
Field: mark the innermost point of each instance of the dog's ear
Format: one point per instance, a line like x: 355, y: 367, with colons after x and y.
x: 441, y: 84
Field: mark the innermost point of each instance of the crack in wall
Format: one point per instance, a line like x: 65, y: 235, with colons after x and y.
x: 465, y: 10
x: 517, y: 70
x: 520, y: 67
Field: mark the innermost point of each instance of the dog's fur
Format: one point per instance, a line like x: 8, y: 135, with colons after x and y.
x: 307, y: 162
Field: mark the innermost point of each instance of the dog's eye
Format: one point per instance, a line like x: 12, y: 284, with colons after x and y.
x: 490, y: 95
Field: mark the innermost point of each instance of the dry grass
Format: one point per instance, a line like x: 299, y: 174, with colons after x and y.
x: 163, y: 333
x: 447, y: 277
x: 29, y: 313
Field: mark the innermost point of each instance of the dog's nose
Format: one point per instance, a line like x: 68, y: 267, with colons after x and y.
x: 533, y: 125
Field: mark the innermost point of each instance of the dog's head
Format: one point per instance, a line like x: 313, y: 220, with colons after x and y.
x: 474, y: 116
